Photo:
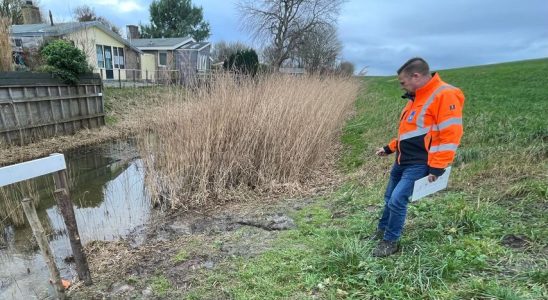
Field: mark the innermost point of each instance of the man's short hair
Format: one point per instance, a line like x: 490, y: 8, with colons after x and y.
x: 415, y: 65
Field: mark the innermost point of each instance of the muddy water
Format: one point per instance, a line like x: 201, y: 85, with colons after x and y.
x: 110, y: 201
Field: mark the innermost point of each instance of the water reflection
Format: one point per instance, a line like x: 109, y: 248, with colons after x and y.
x: 107, y: 187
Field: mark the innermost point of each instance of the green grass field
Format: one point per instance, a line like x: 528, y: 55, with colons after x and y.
x: 483, y: 238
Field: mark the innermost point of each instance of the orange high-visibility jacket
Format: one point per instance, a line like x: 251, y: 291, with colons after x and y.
x: 430, y: 127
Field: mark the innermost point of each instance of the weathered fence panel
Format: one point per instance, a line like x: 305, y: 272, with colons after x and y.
x: 35, y: 105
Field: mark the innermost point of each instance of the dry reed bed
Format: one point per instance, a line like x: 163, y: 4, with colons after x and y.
x: 11, y: 212
x: 243, y: 135
x: 5, y: 47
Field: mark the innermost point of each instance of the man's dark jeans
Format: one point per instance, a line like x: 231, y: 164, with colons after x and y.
x: 396, y: 198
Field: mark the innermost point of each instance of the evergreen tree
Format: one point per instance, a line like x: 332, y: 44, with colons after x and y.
x: 244, y: 62
x: 175, y: 18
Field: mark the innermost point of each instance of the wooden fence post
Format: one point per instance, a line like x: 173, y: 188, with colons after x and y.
x: 38, y: 231
x: 119, y: 79
x: 65, y: 204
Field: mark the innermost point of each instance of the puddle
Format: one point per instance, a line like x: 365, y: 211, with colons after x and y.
x: 110, y: 200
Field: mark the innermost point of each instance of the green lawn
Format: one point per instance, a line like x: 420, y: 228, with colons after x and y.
x: 456, y: 244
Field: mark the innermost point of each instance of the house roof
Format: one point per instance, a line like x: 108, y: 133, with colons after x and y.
x: 161, y: 43
x: 195, y: 46
x: 61, y: 29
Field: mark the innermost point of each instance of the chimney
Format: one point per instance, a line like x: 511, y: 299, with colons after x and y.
x: 30, y: 13
x: 133, y: 32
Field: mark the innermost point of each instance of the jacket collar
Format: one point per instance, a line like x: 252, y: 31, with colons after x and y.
x: 429, y: 87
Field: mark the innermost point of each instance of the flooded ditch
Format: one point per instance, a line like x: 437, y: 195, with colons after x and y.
x: 110, y: 201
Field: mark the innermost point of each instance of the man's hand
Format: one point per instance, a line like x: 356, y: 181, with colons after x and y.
x: 432, y: 178
x: 381, y: 152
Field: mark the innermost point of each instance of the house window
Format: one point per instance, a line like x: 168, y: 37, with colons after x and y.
x: 201, y: 64
x: 108, y: 57
x: 118, y: 57
x: 100, y: 57
x: 121, y: 58
x: 162, y: 58
x: 115, y: 50
x: 18, y: 42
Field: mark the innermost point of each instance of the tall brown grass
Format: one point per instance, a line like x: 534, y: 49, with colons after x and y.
x: 11, y: 211
x: 251, y: 134
x: 5, y: 47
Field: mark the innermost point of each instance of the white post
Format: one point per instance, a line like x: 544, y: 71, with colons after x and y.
x: 30, y: 169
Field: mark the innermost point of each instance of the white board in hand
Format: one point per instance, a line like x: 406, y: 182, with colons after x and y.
x: 423, y: 188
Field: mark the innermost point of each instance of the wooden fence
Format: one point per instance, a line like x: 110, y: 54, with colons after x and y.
x: 35, y: 105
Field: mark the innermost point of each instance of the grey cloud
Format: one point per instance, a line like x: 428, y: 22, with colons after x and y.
x: 447, y: 33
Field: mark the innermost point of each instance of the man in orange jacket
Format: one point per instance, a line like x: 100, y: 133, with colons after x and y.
x: 429, y: 132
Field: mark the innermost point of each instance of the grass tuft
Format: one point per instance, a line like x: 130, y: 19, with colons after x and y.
x: 181, y: 256
x: 160, y: 286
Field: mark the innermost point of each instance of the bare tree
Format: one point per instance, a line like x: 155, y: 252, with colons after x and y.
x: 268, y: 55
x: 222, y: 49
x: 11, y: 9
x: 320, y: 48
x: 85, y: 13
x: 282, y: 24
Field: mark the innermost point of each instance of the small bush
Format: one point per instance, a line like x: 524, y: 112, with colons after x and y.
x: 64, y: 61
x: 243, y: 62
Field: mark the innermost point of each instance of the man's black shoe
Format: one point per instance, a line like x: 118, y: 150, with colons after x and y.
x: 377, y: 236
x: 386, y: 248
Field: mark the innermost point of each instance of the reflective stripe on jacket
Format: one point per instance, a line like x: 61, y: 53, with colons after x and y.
x: 430, y: 126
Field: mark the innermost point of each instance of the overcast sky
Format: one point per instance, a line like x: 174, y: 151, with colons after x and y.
x: 381, y: 35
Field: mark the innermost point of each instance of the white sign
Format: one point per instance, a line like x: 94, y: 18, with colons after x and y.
x: 30, y: 169
x: 424, y: 188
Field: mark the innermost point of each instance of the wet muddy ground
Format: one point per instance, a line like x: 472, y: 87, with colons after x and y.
x: 181, y: 246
